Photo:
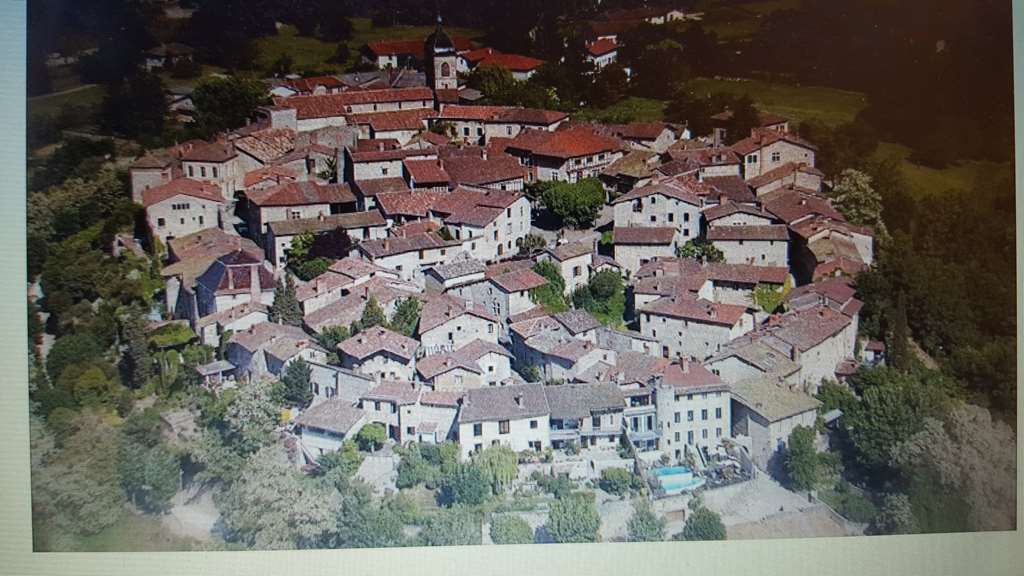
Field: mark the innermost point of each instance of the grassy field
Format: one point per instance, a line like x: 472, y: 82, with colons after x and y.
x: 798, y: 103
x: 734, y: 21
x: 87, y: 95
x: 632, y: 109
x: 311, y: 53
x: 132, y: 533
x: 922, y: 179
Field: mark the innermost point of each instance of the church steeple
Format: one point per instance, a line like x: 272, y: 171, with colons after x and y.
x: 441, y: 60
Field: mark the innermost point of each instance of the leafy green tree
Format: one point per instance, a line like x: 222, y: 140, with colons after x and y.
x: 452, y: 528
x: 575, y: 204
x: 896, y: 516
x: 135, y: 107
x: 499, y: 465
x: 330, y: 337
x: 768, y: 298
x: 406, y: 316
x: 371, y: 437
x: 695, y: 111
x: 373, y: 315
x: 744, y: 118
x: 703, y: 524
x: 150, y: 475
x: 511, y: 529
x: 466, y: 485
x: 224, y: 103
x: 801, y: 459
x: 855, y: 197
x: 138, y: 364
x: 70, y: 349
x: 552, y: 294
x: 610, y: 85
x: 285, y: 309
x: 618, y: 481
x: 700, y: 249
x: 900, y: 354
x: 346, y: 460
x: 834, y: 395
x: 645, y: 525
x: 251, y: 416
x: 295, y: 383
x: 532, y: 243
x: 574, y: 518
x: 414, y: 469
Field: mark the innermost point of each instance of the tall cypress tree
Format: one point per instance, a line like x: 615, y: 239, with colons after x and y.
x: 136, y: 361
x: 286, y: 309
x: 900, y: 354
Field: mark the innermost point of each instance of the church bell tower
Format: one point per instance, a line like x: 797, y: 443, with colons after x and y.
x: 441, y: 60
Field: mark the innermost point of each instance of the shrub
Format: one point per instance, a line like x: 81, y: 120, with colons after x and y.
x: 371, y: 437
x: 702, y: 524
x: 560, y: 486
x: 511, y: 529
x: 618, y: 481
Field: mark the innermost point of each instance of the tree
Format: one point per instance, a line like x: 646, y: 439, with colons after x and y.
x: 224, y: 103
x: 856, y: 199
x: 768, y: 297
x: 695, y: 111
x: 251, y: 417
x: 645, y: 525
x: 552, y: 294
x: 511, y: 529
x: 900, y: 354
x: 703, y: 524
x: 71, y: 349
x: 610, y: 85
x: 574, y: 518
x: 135, y: 107
x: 138, y: 364
x: 371, y: 437
x: 972, y: 456
x: 373, y: 315
x: 286, y: 309
x: 618, y: 481
x: 452, y: 528
x: 466, y: 485
x: 532, y: 243
x: 499, y: 465
x: 835, y: 396
x: 295, y: 383
x: 576, y: 204
x: 801, y: 458
x: 330, y: 337
x: 149, y: 474
x: 896, y: 516
x: 406, y: 316
x: 743, y: 119
x: 700, y: 249
x: 346, y: 460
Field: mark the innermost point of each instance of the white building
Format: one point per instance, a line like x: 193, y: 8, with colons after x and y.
x: 325, y: 426
x: 479, y: 363
x: 636, y: 246
x: 765, y: 412
x: 358, y: 225
x: 570, y: 154
x: 574, y: 261
x: 757, y: 245
x: 269, y: 348
x: 181, y: 207
x: 448, y: 323
x: 768, y: 149
x: 693, y: 407
x: 686, y: 326
x: 672, y: 203
x: 588, y: 416
x: 411, y: 255
x: 513, y: 416
x: 380, y: 353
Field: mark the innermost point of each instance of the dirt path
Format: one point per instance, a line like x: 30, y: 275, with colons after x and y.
x: 192, y: 515
x: 62, y: 92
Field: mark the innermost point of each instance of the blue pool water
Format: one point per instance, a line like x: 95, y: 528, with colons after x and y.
x: 671, y: 471
x: 677, y: 479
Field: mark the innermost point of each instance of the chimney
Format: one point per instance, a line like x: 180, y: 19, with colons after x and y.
x: 387, y: 244
x: 685, y: 364
x: 518, y: 398
x: 723, y: 199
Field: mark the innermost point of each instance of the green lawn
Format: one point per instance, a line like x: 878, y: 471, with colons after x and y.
x: 90, y: 95
x: 632, y: 109
x: 312, y: 53
x: 922, y: 179
x: 798, y: 103
x: 132, y: 533
x: 733, y: 21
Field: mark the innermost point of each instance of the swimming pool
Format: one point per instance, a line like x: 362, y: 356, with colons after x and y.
x: 676, y: 479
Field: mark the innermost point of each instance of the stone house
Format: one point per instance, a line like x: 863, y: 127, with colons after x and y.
x: 636, y: 246
x: 603, y: 52
x: 574, y: 261
x: 481, y: 124
x: 448, y: 323
x: 181, y: 207
x: 391, y: 403
x: 497, y: 171
x: 189, y: 257
x: 295, y: 201
x: 672, y: 203
x: 764, y: 414
x: 401, y: 126
x: 818, y: 339
x: 313, y: 112
x: 654, y: 137
x: 215, y: 162
x: 478, y: 363
x: 386, y: 290
x: 360, y: 166
x: 380, y: 353
x: 211, y: 327
x: 715, y: 281
x: 686, y: 326
x: 343, y: 277
x: 749, y: 358
x: 569, y: 154
x: 269, y: 348
x: 506, y: 290
x: 734, y: 214
x: 455, y: 277
x: 766, y: 149
x: 758, y: 245
x: 233, y: 279
x: 323, y: 428
x: 790, y: 174
x: 490, y: 224
x: 514, y: 416
x: 358, y: 225
x: 693, y: 407
x: 766, y: 121
x: 150, y: 171
x: 681, y: 159
x: 410, y: 255
x: 586, y: 415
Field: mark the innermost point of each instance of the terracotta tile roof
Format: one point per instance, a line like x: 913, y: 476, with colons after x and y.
x: 444, y: 398
x: 781, y: 172
x: 691, y: 274
x: 688, y: 190
x: 532, y: 314
x: 262, y: 335
x: 480, y: 171
x: 267, y: 144
x: 629, y: 367
x: 371, y: 144
x: 512, y: 62
x: 479, y: 113
x: 762, y: 137
x: 397, y: 120
x: 434, y: 139
x: 848, y: 266
x: 602, y: 47
x: 442, y: 308
x: 732, y: 187
x: 387, y: 155
x: 475, y: 216
x: 328, y: 105
x: 411, y: 203
x: 242, y: 310
x: 413, y: 48
x: 215, y: 152
x: 777, y: 232
x: 392, y: 246
x: 233, y: 273
x: 377, y: 186
x: 570, y: 142
x: 399, y: 392
x: 518, y: 280
x: 350, y: 307
x: 644, y: 235
x: 635, y: 130
x: 729, y: 208
x: 154, y: 161
x: 635, y: 164
x: 696, y: 310
x: 464, y: 196
x: 307, y: 85
x: 536, y: 325
x: 563, y: 252
x: 182, y: 186
x: 772, y: 400
x: 430, y: 367
x: 354, y: 268
x: 377, y: 340
x: 413, y: 228
x: 334, y: 415
x: 687, y: 377
x: 447, y: 96
x: 577, y: 401
x: 423, y: 172
x: 577, y: 321
x: 504, y: 403
x: 273, y: 173
x: 805, y: 329
x: 348, y: 221
x: 531, y: 116
x: 474, y: 56
x: 875, y: 346
x: 196, y: 251
x: 840, y: 290
x: 301, y: 194
x: 759, y: 355
x: 793, y: 205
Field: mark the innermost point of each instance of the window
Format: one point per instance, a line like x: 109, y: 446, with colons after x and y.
x: 577, y: 271
x: 508, y: 130
x: 718, y: 413
x: 190, y: 172
x: 160, y: 222
x: 671, y: 217
x: 686, y: 232
x: 478, y: 430
x: 689, y: 437
x: 718, y: 432
x: 295, y: 215
x: 677, y: 418
x: 465, y: 131
x: 214, y: 169
x: 533, y: 424
x: 490, y: 328
x: 654, y: 218
x: 686, y: 217
x: 446, y: 70
x: 704, y: 414
x: 376, y: 406
x: 479, y: 131
x: 776, y: 156
x: 704, y: 433
x: 689, y: 415
x: 596, y: 422
x: 752, y: 159
x: 410, y: 430
x: 421, y: 252
x: 202, y: 171
x: 677, y: 436
x: 200, y: 220
x: 478, y: 447
x: 383, y: 171
x: 503, y: 427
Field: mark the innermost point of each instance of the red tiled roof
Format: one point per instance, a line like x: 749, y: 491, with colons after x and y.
x: 732, y: 187
x: 729, y: 208
x: 275, y: 173
x: 371, y: 144
x: 781, y: 172
x: 602, y: 47
x: 762, y: 137
x: 387, y: 155
x: 792, y: 205
x: 689, y: 376
x: 474, y: 56
x: 423, y: 172
x: 377, y: 186
x: 310, y: 84
x: 479, y: 171
x: 688, y: 190
x: 301, y: 193
x: 209, y: 152
x: 518, y: 280
x: 391, y: 246
x: 513, y: 62
x: 644, y: 235
x: 440, y: 309
x: 327, y: 105
x: 410, y: 203
x: 415, y: 227
x: 182, y: 186
x: 569, y: 142
x: 379, y: 339
x: 696, y: 310
x: 396, y: 120
x: 476, y: 216
x: 767, y: 232
x: 267, y: 144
